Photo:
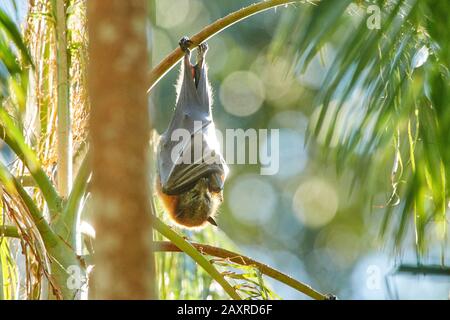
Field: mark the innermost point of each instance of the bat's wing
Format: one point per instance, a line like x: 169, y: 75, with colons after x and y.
x: 182, y: 162
x: 187, y: 166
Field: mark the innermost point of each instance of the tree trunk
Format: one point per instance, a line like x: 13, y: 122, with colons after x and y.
x: 120, y: 130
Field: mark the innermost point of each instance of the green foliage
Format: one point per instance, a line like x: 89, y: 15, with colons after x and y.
x: 8, y: 270
x: 14, y: 59
x: 385, y: 92
x: 25, y: 207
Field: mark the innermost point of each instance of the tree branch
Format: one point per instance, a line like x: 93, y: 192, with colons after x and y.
x: 167, y: 246
x: 190, y: 250
x: 169, y: 62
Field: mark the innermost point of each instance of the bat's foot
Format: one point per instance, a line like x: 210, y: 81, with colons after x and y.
x: 203, y: 48
x: 184, y: 44
x: 201, y: 52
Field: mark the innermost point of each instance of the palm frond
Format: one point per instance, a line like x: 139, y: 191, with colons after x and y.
x: 386, y: 90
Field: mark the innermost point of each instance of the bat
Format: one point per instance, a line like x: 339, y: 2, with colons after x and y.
x: 192, y: 190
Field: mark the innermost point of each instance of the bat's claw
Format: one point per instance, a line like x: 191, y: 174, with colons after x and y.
x: 201, y: 52
x: 185, y: 43
x: 203, y: 48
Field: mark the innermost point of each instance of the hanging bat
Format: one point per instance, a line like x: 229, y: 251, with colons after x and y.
x: 191, y: 190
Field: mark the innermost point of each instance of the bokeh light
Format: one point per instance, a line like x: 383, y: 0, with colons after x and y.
x: 171, y: 13
x: 342, y: 244
x: 315, y: 202
x: 290, y: 119
x: 275, y: 75
x: 252, y: 199
x: 242, y: 93
x: 282, y: 88
x: 293, y: 157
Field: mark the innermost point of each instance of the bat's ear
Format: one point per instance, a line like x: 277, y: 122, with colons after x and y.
x: 212, y: 221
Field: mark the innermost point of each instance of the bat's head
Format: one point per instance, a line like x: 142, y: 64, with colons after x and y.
x: 196, y: 207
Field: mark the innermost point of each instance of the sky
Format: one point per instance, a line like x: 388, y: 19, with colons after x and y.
x: 10, y: 5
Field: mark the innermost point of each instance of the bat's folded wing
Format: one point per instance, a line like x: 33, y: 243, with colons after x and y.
x: 182, y: 163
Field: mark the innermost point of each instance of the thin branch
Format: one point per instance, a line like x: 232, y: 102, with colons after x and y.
x: 171, y: 60
x: 9, y: 231
x: 167, y: 246
x: 191, y: 251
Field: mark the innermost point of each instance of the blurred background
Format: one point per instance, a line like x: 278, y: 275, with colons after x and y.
x: 311, y: 220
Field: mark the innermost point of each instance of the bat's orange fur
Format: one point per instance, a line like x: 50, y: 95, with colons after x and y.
x: 193, y: 208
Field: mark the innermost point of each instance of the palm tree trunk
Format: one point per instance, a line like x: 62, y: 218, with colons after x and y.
x: 120, y: 132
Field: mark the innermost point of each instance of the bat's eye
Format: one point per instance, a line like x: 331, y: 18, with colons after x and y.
x: 215, y: 182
